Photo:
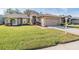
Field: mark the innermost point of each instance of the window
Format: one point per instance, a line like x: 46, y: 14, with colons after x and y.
x: 13, y: 21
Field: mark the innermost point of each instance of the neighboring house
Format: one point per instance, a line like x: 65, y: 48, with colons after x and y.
x: 75, y: 20
x: 66, y: 19
x: 1, y: 19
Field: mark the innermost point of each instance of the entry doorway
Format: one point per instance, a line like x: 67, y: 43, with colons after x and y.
x: 34, y: 20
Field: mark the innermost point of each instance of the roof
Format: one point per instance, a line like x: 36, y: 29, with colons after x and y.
x: 16, y: 16
x: 25, y: 16
x: 48, y: 15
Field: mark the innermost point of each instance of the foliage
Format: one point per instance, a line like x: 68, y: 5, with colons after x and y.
x: 29, y: 12
x: 12, y: 11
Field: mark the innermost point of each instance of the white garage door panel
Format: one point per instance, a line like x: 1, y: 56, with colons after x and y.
x: 51, y: 22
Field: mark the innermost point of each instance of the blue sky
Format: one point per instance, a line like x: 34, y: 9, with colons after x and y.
x: 57, y: 11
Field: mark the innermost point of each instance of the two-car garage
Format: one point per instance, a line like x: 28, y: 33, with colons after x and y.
x: 50, y: 21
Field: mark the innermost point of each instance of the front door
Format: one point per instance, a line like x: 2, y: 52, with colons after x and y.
x: 34, y: 20
x: 20, y: 21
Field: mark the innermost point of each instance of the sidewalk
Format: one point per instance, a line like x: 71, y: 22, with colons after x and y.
x: 67, y: 46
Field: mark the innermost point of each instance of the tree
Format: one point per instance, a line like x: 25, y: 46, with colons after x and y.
x: 9, y: 11
x: 29, y: 12
x: 69, y: 19
x: 12, y: 11
x: 17, y: 11
x: 69, y: 16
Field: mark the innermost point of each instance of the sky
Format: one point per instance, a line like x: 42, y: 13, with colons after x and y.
x: 55, y: 11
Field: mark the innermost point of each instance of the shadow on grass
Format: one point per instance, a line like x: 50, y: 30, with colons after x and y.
x: 18, y: 25
x: 40, y: 47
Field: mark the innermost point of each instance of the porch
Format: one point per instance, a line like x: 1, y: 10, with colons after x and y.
x: 16, y: 21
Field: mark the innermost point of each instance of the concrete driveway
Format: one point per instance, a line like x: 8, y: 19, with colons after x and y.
x: 69, y: 30
x: 67, y: 46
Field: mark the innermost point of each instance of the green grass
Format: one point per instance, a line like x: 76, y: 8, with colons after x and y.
x: 73, y: 26
x: 31, y: 37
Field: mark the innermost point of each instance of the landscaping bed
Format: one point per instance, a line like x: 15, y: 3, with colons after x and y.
x: 31, y: 37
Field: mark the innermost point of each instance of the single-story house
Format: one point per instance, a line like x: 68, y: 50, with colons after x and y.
x: 37, y: 19
x: 66, y: 19
x: 41, y: 19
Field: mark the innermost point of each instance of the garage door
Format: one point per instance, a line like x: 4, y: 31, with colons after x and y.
x: 52, y: 22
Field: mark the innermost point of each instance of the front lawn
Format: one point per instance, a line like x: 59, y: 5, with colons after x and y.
x: 31, y: 37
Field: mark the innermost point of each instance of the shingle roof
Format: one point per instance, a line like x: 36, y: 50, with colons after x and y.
x: 16, y: 16
x: 25, y: 16
x: 48, y: 15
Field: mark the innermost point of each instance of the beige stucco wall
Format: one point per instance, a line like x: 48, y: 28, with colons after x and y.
x: 7, y: 21
x: 43, y: 22
x: 38, y: 20
x: 50, y: 21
